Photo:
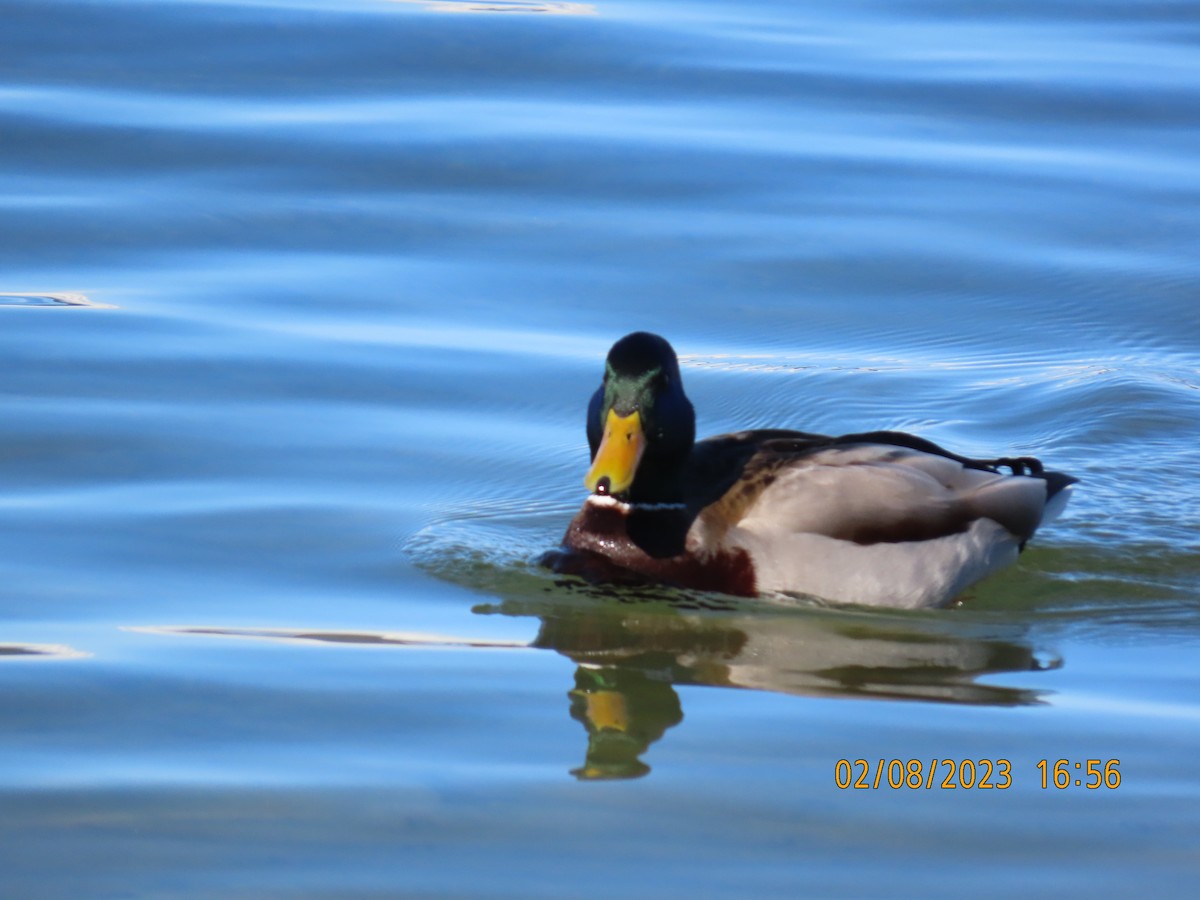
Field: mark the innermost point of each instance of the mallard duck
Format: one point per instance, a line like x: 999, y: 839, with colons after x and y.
x: 880, y: 518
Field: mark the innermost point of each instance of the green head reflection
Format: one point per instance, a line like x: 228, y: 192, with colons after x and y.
x: 624, y: 712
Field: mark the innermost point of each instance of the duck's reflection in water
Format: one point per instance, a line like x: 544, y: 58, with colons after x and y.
x: 633, y: 647
x: 630, y: 656
x: 624, y: 711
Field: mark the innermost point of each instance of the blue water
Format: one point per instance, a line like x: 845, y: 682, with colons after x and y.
x: 304, y: 304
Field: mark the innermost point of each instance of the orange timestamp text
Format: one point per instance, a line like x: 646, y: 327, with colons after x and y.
x: 970, y: 774
x: 921, y: 774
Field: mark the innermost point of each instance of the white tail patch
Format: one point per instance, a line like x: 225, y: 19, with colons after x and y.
x: 1057, y: 504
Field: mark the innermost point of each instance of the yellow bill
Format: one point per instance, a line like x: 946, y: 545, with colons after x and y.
x: 620, y: 452
x: 608, y: 710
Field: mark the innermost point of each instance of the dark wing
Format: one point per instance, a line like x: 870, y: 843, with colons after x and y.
x: 1019, y: 465
x: 729, y: 464
x: 873, y: 487
x: 728, y: 474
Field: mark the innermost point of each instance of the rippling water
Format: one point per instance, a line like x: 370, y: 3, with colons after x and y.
x: 302, y: 305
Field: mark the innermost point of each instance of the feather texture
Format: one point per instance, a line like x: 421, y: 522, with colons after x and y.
x: 879, y: 518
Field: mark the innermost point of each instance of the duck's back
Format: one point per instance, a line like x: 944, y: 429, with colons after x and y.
x: 883, y: 518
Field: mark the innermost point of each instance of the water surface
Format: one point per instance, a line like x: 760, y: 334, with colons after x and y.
x: 270, y: 623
